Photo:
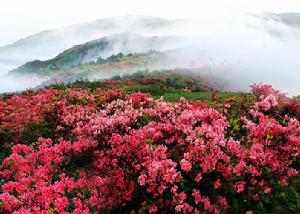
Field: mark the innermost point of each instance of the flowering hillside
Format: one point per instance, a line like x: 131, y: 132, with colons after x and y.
x: 107, y: 151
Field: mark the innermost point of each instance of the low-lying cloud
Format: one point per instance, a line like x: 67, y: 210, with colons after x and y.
x: 260, y: 50
x: 252, y: 48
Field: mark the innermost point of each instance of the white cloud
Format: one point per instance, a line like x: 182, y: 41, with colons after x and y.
x: 19, y: 18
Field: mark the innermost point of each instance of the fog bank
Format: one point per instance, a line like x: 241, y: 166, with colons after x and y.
x: 252, y: 48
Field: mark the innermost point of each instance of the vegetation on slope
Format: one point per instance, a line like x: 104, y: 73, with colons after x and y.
x: 90, y: 51
x: 171, y: 84
x: 82, y: 149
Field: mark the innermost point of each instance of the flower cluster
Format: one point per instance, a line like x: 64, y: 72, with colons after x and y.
x: 104, y: 151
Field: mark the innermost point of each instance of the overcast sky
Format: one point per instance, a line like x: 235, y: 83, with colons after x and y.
x: 19, y: 18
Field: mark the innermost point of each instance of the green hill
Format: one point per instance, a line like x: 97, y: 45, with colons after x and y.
x: 91, y: 51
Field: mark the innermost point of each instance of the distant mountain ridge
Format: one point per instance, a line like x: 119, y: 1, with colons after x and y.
x: 49, y: 43
x: 104, y: 47
x: 291, y: 19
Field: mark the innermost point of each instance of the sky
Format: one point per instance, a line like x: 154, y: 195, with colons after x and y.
x: 20, y: 18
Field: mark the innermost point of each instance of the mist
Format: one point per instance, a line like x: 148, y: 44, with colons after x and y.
x: 4, y: 68
x: 251, y: 48
x: 242, y: 48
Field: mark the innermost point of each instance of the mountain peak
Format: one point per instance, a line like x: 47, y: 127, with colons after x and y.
x: 48, y: 43
x: 125, y: 43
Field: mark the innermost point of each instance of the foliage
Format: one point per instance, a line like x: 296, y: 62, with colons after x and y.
x: 104, y: 151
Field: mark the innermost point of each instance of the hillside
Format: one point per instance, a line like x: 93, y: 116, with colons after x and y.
x: 113, y: 65
x: 182, y: 60
x: 49, y: 43
x: 110, y: 148
x: 168, y: 82
x: 290, y: 19
x: 104, y: 47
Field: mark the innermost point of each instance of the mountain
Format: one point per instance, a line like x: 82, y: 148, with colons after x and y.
x: 115, y: 65
x: 120, y: 66
x: 101, y: 48
x: 48, y: 43
x: 278, y: 25
x: 290, y: 19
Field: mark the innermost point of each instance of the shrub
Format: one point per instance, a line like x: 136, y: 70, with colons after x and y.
x: 110, y: 152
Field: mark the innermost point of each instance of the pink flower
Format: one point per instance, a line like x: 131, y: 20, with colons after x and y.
x: 267, y: 190
x: 178, y: 208
x: 185, y: 165
x: 197, y: 196
x: 60, y: 204
x: 206, y: 203
x: 182, y: 197
x: 142, y: 180
x: 240, y: 186
x: 198, y: 177
x: 153, y: 209
x: 217, y: 184
x: 233, y: 146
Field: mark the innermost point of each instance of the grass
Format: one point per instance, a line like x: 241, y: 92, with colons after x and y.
x: 175, y: 94
x: 203, y: 95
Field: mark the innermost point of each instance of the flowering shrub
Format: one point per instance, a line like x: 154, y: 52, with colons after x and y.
x: 104, y: 151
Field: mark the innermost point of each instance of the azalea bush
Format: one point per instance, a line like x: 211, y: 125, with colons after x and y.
x: 96, y: 151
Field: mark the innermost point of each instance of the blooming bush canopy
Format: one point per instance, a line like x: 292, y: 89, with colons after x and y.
x: 83, y: 151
